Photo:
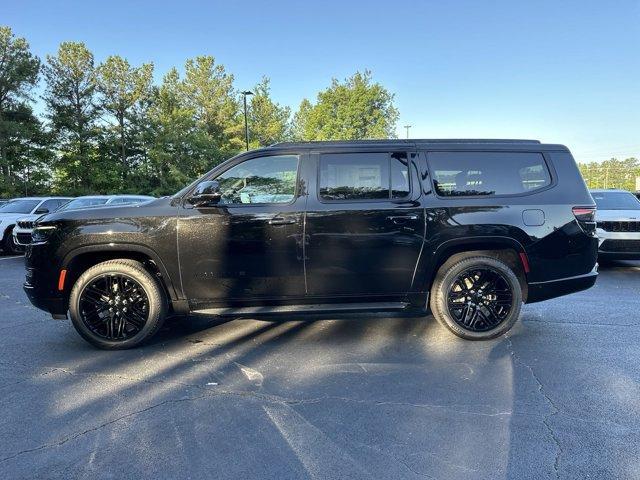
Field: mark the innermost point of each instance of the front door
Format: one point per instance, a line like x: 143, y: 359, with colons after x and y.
x: 364, y: 225
x: 248, y: 246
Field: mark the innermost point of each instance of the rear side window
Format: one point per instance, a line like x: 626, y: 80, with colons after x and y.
x: 488, y: 173
x: 364, y: 176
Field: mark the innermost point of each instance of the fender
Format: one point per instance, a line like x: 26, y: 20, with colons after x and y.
x: 127, y: 247
x: 430, y: 261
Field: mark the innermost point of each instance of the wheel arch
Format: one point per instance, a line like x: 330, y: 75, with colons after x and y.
x: 79, y: 259
x: 506, y: 249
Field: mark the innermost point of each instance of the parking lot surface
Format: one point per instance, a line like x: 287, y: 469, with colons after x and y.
x: 558, y: 397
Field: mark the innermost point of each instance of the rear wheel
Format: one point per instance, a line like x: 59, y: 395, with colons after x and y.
x: 477, y: 297
x: 117, y: 304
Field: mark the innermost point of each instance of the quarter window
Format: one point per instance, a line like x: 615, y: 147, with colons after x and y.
x: 260, y: 180
x: 488, y: 173
x: 364, y: 176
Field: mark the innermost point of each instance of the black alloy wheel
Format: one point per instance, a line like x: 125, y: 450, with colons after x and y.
x: 480, y: 299
x: 114, y: 307
x: 476, y: 297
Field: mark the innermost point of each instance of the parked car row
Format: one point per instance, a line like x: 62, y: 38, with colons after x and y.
x: 18, y: 216
x: 618, y: 224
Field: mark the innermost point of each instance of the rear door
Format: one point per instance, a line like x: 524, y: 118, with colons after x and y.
x: 364, y: 226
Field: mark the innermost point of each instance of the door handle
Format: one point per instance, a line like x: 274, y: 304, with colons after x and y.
x: 282, y: 221
x: 402, y: 218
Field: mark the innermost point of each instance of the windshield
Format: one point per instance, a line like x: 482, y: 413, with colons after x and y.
x: 19, y: 206
x: 84, y: 203
x: 616, y: 201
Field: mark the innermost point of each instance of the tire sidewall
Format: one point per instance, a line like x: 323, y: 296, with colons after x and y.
x: 150, y: 287
x: 444, y: 281
x: 9, y: 245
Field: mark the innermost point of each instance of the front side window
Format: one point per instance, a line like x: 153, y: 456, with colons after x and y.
x: 260, y: 180
x: 488, y: 173
x: 48, y: 206
x: 364, y: 176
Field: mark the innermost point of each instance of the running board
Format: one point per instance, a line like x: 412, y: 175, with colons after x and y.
x: 311, y: 308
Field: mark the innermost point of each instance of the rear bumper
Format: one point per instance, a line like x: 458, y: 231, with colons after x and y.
x: 539, y: 291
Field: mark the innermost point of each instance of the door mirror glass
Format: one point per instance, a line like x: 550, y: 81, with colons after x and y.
x: 207, y: 192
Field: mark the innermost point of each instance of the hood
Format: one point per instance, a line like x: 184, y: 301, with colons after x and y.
x: 10, y: 218
x: 102, y: 212
x: 617, y: 215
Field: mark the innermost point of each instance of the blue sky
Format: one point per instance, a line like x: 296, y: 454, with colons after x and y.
x: 566, y: 72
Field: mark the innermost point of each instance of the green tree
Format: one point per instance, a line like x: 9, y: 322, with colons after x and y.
x: 209, y: 93
x: 73, y: 113
x: 178, y: 149
x: 268, y: 121
x: 357, y: 108
x: 124, y: 94
x: 19, y: 128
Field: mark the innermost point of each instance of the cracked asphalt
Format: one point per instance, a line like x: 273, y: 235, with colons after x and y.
x: 558, y: 397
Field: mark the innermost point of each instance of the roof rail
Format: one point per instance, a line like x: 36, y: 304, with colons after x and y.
x: 402, y: 141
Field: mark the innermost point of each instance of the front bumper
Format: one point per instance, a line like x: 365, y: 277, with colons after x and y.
x: 539, y: 291
x: 40, y: 286
x: 22, y: 236
x: 56, y: 306
x: 618, y: 245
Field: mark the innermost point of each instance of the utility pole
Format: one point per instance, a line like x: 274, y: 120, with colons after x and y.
x: 246, y: 122
x: 407, y: 127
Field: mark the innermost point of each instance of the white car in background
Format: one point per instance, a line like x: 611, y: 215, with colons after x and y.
x: 18, y: 208
x: 24, y: 225
x: 617, y: 224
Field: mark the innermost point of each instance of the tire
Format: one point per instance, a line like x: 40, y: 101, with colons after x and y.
x: 117, y: 325
x: 459, y: 285
x: 8, y: 245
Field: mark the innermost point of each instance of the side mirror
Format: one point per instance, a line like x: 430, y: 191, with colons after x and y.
x: 41, y: 211
x: 206, y: 193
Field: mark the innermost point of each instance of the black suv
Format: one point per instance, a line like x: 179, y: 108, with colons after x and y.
x: 469, y: 229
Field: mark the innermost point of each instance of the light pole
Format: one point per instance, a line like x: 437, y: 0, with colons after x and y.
x: 246, y: 122
x: 407, y: 127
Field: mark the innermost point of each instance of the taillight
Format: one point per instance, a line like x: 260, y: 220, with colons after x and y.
x: 584, y: 214
x: 586, y: 217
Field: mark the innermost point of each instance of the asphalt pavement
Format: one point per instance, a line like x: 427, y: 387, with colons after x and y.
x: 557, y: 397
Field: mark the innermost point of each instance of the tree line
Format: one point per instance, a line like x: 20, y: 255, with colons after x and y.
x: 612, y: 173
x: 109, y: 128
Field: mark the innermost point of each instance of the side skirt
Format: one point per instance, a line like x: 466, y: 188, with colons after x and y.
x: 310, y: 308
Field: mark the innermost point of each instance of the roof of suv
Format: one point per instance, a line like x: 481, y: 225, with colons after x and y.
x: 449, y: 143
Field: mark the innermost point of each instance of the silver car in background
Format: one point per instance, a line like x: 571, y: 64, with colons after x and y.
x: 618, y: 224
x: 24, y: 226
x: 11, y: 211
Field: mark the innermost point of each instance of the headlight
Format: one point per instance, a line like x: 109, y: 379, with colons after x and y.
x: 42, y: 234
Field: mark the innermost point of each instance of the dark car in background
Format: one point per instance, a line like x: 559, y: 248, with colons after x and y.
x: 618, y: 224
x: 469, y: 229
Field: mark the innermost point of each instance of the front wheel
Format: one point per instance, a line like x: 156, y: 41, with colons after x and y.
x: 9, y: 245
x: 476, y: 298
x: 117, y: 305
